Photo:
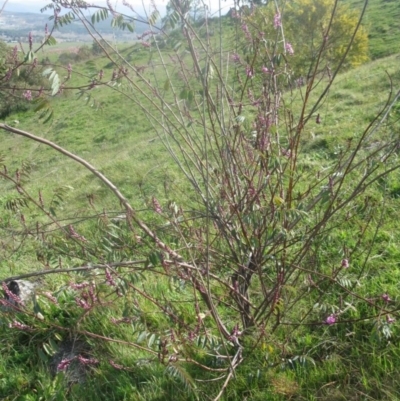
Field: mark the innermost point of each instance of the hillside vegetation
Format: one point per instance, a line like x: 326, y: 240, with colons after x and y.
x: 382, y: 22
x: 253, y: 253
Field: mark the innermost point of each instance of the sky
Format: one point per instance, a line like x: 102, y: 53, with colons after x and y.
x: 36, y: 5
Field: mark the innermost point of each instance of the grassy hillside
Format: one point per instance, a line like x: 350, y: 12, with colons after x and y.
x: 382, y: 21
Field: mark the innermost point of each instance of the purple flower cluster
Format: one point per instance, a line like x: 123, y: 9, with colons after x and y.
x: 30, y: 40
x: 87, y: 361
x: 80, y: 286
x: 246, y: 31
x: 289, y: 49
x: 236, y: 58
x: 50, y: 297
x: 156, y: 206
x: 249, y: 72
x: 87, y: 299
x: 69, y: 70
x: 11, y: 296
x: 17, y: 325
x: 109, y: 279
x: 27, y: 95
x: 331, y: 319
x: 82, y: 303
x: 75, y: 235
x: 115, y: 365
x: 345, y: 262
x: 64, y: 364
x: 277, y: 21
x: 389, y: 319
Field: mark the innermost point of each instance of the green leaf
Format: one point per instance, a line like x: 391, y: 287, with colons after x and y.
x: 153, y: 17
x: 142, y: 337
x: 167, y: 85
x: 47, y: 71
x: 117, y: 21
x: 178, y: 372
x: 49, y: 117
x: 130, y: 27
x: 48, y: 349
x: 155, y: 258
x: 102, y: 15
x: 53, y: 345
x: 29, y: 56
x: 42, y: 356
x: 55, y: 85
x: 50, y: 41
x: 151, y: 340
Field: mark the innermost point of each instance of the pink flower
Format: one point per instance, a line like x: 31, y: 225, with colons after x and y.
x: 75, y: 235
x: 17, y: 325
x: 8, y: 74
x: 345, y: 262
x: 69, y: 70
x: 110, y: 281
x: 236, y: 58
x: 386, y: 297
x: 50, y: 297
x: 87, y: 361
x: 277, y: 21
x: 82, y: 303
x: 30, y: 40
x: 27, y: 95
x: 156, y: 206
x: 331, y: 319
x: 115, y: 365
x: 76, y: 286
x: 389, y: 319
x: 63, y: 365
x: 246, y: 31
x: 10, y: 296
x: 265, y: 70
x: 249, y: 72
x: 289, y: 48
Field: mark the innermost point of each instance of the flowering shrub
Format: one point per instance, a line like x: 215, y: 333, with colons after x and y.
x: 255, y: 250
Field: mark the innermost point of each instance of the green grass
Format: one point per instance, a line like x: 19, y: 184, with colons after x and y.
x: 381, y: 20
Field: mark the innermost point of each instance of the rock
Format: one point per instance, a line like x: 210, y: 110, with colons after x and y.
x: 23, y: 289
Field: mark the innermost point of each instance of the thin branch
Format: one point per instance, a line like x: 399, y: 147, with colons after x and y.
x: 75, y: 269
x: 2, y: 8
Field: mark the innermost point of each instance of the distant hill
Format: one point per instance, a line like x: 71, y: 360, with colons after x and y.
x: 15, y: 26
